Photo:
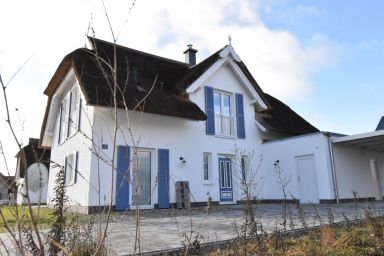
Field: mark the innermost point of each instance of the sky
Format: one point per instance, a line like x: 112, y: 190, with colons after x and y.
x: 323, y: 58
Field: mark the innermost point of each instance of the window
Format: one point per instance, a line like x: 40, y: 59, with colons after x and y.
x: 70, y: 168
x: 225, y: 170
x: 207, y: 159
x: 79, y: 114
x: 224, y: 121
x: 69, y: 116
x: 141, y: 180
x: 73, y: 110
x: 221, y: 109
x: 244, y: 168
x: 62, y: 121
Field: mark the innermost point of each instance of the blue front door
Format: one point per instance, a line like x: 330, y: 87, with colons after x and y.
x: 225, y: 177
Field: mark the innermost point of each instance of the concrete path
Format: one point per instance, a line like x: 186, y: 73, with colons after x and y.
x: 159, y: 232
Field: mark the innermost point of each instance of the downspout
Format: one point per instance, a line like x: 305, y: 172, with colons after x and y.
x: 333, y: 168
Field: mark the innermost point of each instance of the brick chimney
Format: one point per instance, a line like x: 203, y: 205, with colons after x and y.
x: 190, y: 55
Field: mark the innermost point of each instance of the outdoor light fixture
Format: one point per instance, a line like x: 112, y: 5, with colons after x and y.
x: 182, y: 160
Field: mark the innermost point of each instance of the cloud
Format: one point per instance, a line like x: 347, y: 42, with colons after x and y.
x: 370, y: 45
x: 278, y: 60
x: 307, y: 10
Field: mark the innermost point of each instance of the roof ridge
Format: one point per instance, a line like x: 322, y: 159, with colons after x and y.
x: 138, y: 51
x: 207, y: 59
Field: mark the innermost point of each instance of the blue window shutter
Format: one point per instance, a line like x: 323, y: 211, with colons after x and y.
x: 209, y: 111
x: 122, y: 178
x: 240, y: 116
x: 163, y: 187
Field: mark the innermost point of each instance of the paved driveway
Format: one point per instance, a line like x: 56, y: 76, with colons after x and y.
x: 165, y: 229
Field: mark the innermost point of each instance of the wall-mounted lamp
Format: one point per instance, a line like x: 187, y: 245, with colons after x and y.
x: 182, y: 160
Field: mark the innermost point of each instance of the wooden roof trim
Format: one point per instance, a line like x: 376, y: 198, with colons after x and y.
x: 53, y: 84
x: 44, y: 122
x: 59, y: 75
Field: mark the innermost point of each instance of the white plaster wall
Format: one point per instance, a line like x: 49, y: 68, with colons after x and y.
x: 80, y: 141
x: 183, y: 138
x: 285, y: 150
x: 353, y: 171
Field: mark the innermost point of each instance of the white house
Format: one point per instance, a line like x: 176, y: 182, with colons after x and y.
x: 174, y: 122
x: 32, y: 165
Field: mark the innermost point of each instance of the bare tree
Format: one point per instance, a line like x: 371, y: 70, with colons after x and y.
x: 23, y: 163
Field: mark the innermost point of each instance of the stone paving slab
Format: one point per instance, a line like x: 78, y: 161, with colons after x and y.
x: 164, y: 232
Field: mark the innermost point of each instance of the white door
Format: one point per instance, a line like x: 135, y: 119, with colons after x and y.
x: 306, y: 176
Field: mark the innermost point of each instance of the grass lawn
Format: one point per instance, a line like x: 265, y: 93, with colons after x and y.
x: 44, y: 215
x: 364, y: 239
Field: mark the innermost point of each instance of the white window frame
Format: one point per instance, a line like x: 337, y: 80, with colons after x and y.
x: 69, y: 116
x: 207, y: 166
x: 80, y: 106
x: 70, y: 169
x: 73, y: 111
x: 220, y: 118
x: 58, y: 126
x: 63, y: 131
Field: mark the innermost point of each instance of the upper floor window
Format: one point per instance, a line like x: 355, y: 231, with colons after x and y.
x: 69, y: 119
x: 225, y: 113
x: 224, y: 120
x: 73, y: 110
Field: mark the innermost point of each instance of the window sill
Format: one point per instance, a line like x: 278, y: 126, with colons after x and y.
x: 70, y: 184
x: 208, y: 183
x: 68, y: 138
x: 225, y: 136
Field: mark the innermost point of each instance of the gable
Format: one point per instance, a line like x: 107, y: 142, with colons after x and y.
x: 226, y: 79
x: 227, y: 57
x: 52, y: 112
